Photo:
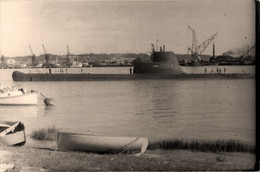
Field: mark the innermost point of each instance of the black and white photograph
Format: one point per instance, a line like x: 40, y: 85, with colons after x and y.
x: 128, y: 85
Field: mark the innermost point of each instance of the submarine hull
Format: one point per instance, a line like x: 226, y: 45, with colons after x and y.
x: 19, y: 76
x: 161, y: 63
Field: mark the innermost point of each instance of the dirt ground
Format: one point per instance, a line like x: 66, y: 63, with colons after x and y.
x: 42, y: 156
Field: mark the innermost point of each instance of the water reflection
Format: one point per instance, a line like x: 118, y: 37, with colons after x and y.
x: 157, y: 98
x: 18, y: 112
x: 203, y: 109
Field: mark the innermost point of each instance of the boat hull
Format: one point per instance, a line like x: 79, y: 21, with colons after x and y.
x: 100, y: 144
x: 28, y: 99
x: 19, y: 76
x: 12, y: 133
x: 17, y: 138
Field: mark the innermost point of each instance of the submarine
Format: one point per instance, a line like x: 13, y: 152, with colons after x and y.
x: 161, y: 65
x: 161, y: 62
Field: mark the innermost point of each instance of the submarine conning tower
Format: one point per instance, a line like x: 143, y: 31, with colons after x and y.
x: 163, y: 62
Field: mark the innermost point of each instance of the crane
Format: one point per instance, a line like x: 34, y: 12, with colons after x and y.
x: 194, y: 46
x: 2, y: 59
x: 44, y: 49
x: 196, y: 50
x: 46, y: 55
x: 33, y: 57
x: 31, y: 50
x: 68, y: 52
x: 205, y: 44
x: 249, y: 49
x: 68, y: 63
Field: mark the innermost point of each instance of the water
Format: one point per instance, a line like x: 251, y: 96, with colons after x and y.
x: 158, y: 109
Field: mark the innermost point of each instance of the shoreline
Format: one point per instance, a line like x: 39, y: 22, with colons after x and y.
x: 160, y: 160
x: 41, y: 155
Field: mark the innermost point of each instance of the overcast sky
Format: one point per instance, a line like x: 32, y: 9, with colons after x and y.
x: 123, y: 26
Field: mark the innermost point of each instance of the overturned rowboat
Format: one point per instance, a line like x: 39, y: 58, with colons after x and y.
x: 100, y: 144
x: 12, y: 133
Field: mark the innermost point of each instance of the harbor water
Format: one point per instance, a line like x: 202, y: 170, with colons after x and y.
x: 158, y: 109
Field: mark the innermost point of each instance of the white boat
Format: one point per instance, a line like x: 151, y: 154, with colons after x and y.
x: 12, y: 133
x: 18, y: 96
x: 100, y: 144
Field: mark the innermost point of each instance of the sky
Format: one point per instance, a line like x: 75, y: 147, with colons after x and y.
x: 123, y: 26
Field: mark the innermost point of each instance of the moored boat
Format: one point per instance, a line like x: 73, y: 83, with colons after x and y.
x: 12, y: 133
x: 18, y: 96
x: 100, y: 144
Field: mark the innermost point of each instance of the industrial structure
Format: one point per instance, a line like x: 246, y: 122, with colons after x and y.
x: 68, y: 61
x: 47, y: 63
x: 34, y: 62
x: 196, y: 50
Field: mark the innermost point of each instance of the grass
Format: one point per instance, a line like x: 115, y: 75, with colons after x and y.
x: 164, y: 155
x: 204, y: 146
x: 172, y: 144
x: 45, y: 134
x: 151, y: 160
x: 220, y: 158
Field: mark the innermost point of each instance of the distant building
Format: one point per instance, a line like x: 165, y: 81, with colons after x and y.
x: 2, y: 59
x: 10, y: 63
x: 85, y: 64
x: 76, y: 64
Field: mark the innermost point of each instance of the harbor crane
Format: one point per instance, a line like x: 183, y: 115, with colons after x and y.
x: 34, y: 63
x: 47, y: 56
x: 2, y: 59
x: 249, y: 49
x: 196, y: 50
x: 68, y: 63
x: 68, y: 51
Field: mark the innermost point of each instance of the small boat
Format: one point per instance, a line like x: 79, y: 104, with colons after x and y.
x: 12, y: 133
x: 100, y: 144
x: 18, y: 96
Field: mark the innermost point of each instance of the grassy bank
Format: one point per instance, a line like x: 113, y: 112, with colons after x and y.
x: 39, y: 153
x: 172, y: 144
x: 151, y: 160
x: 45, y: 134
x: 204, y: 146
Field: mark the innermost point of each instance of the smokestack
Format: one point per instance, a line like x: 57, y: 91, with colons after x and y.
x: 213, y: 50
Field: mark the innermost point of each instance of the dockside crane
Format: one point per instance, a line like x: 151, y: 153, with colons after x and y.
x: 247, y: 53
x: 47, y: 56
x: 196, y: 50
x: 205, y: 44
x: 2, y: 59
x: 194, y: 45
x: 34, y: 63
x: 68, y: 62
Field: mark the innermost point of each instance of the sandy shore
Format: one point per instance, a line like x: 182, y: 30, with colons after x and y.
x: 42, y: 156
